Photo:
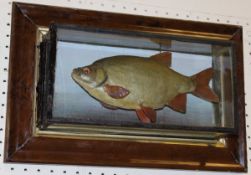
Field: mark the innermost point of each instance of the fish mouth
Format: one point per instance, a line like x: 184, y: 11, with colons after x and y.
x: 76, y: 76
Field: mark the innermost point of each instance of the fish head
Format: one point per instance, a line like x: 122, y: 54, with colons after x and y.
x: 89, y: 76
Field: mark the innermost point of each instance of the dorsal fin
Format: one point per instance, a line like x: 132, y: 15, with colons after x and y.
x: 163, y: 58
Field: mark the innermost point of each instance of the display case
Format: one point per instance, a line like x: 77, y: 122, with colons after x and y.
x: 54, y: 117
x: 67, y: 47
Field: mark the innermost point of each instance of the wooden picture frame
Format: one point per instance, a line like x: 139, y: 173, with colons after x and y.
x: 24, y: 146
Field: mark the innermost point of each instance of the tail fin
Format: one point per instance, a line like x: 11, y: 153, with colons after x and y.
x: 202, y: 89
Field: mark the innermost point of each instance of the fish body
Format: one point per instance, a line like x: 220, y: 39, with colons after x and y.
x: 138, y: 83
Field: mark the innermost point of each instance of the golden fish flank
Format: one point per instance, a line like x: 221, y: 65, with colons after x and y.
x: 142, y: 84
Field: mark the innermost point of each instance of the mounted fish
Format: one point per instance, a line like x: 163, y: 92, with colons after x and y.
x: 142, y: 84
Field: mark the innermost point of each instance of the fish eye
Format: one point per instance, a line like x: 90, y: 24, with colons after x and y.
x: 86, y: 70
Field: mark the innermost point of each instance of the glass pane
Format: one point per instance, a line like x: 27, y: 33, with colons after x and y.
x: 80, y: 48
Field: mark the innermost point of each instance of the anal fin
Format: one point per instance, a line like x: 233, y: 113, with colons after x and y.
x: 179, y: 103
x: 146, y: 115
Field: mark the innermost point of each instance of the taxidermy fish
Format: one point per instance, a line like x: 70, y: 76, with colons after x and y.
x: 142, y: 84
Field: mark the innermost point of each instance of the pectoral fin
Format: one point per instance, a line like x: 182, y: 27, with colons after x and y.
x: 116, y: 92
x: 146, y: 115
x: 108, y: 106
x: 163, y: 58
x: 179, y: 103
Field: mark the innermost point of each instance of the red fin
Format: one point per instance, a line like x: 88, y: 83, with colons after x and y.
x: 142, y: 117
x: 146, y: 115
x: 202, y: 89
x: 116, y: 91
x: 179, y: 103
x: 163, y: 58
x: 109, y: 106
